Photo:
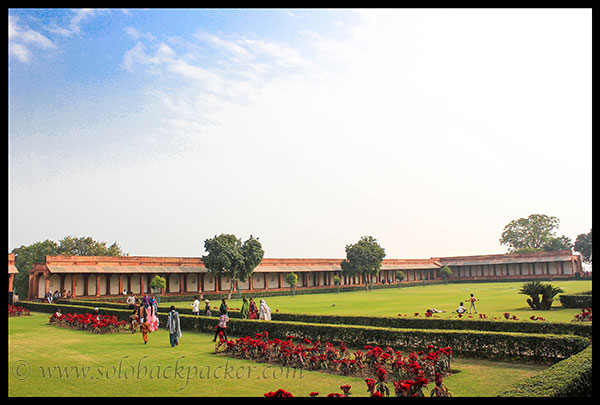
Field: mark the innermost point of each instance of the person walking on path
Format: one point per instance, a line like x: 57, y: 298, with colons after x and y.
x: 264, y: 311
x: 134, y: 320
x: 174, y: 327
x: 207, y: 308
x: 145, y: 329
x: 222, y: 327
x: 244, y: 310
x: 195, y: 306
x: 223, y: 308
x: 252, y: 311
x: 472, y: 300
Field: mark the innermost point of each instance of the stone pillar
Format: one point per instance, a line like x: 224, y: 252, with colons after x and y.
x: 97, y: 285
x: 74, y: 285
x: 182, y: 283
x: 10, y: 282
x: 142, y: 277
x: 46, y: 284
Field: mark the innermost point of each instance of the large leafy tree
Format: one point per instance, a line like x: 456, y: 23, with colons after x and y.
x: 537, y: 231
x: 583, y: 245
x: 26, y: 256
x: 228, y: 256
x: 363, y: 258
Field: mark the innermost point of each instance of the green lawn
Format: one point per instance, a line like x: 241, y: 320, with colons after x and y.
x: 121, y: 365
x: 494, y: 300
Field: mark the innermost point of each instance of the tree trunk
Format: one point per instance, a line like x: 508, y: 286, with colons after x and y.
x: 231, y: 284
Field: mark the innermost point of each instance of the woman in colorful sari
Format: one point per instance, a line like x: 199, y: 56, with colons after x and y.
x: 244, y: 310
x: 252, y: 311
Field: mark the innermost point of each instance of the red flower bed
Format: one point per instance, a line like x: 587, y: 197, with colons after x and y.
x: 585, y: 315
x: 410, y: 374
x: 89, y: 322
x: 17, y: 311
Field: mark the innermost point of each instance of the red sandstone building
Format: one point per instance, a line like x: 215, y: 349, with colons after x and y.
x: 99, y: 276
x: 12, y: 270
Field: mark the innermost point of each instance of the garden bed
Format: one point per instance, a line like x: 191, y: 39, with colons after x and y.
x: 89, y: 322
x: 17, y: 311
x: 409, y: 374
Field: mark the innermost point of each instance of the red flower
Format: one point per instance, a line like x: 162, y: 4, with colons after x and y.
x: 313, y: 394
x: 370, y: 384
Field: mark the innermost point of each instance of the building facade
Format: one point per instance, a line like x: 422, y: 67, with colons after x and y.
x: 12, y: 270
x: 103, y: 276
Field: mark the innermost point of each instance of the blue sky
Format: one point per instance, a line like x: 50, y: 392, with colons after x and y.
x: 427, y: 129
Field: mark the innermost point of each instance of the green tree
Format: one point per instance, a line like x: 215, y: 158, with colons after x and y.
x: 446, y: 272
x: 363, y: 258
x: 536, y: 231
x: 158, y: 283
x: 26, y: 256
x: 556, y: 244
x: 337, y: 281
x: 583, y: 245
x: 292, y: 280
x: 228, y: 256
x: 400, y: 276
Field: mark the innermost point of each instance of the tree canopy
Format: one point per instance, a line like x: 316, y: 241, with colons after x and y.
x: 26, y: 256
x: 534, y: 233
x: 363, y: 258
x: 228, y: 256
x: 583, y: 245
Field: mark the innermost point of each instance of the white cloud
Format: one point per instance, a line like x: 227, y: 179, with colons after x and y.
x: 74, y: 25
x: 22, y: 39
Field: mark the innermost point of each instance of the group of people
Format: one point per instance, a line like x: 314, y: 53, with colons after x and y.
x: 461, y: 307
x: 145, y: 316
x: 249, y: 309
x: 57, y: 294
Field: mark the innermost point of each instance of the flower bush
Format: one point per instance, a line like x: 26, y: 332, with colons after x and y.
x: 17, y: 311
x: 410, y: 374
x: 89, y: 322
x: 584, y: 316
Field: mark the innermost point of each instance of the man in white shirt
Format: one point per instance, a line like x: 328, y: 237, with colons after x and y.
x: 195, y: 306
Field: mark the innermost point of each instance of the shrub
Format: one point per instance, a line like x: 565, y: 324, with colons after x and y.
x: 575, y: 300
x: 570, y: 377
x: 468, y: 343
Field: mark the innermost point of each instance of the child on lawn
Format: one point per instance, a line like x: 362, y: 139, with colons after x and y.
x: 145, y: 329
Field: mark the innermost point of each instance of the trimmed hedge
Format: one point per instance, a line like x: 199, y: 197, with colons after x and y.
x: 478, y: 344
x: 569, y: 378
x: 268, y: 293
x: 579, y: 329
x: 576, y: 300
